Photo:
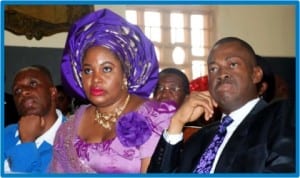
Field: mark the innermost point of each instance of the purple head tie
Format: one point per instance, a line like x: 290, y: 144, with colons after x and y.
x: 127, y: 41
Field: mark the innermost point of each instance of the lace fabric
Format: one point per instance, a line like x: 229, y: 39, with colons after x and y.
x: 73, y: 155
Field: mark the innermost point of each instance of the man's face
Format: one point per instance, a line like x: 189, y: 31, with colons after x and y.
x: 232, y: 76
x: 33, y: 92
x: 170, y: 88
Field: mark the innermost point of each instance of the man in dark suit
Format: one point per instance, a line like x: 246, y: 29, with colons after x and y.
x: 261, y: 137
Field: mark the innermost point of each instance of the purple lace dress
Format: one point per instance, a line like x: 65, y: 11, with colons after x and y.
x: 137, y: 135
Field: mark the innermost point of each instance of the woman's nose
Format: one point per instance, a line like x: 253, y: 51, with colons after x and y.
x: 97, y: 77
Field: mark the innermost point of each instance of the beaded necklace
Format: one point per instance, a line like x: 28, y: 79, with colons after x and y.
x: 107, y: 119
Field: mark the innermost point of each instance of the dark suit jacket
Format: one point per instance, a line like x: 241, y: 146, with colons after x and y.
x: 263, y: 142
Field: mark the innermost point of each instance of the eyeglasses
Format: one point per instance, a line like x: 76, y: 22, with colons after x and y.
x: 172, y: 89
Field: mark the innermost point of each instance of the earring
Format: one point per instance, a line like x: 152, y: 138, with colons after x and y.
x: 124, y: 86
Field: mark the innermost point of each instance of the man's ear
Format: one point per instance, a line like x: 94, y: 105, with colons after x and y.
x: 53, y: 92
x: 257, y: 74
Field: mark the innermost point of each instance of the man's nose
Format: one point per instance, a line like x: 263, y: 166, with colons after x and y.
x: 223, y: 74
x: 25, y: 91
x: 166, y: 92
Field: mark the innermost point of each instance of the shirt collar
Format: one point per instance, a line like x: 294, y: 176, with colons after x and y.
x: 239, y: 114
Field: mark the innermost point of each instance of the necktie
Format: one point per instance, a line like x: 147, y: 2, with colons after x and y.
x: 206, y: 161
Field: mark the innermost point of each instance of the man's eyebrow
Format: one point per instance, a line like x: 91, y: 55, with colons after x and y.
x: 211, y: 62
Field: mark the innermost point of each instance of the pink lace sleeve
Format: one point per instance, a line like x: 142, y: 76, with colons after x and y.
x: 65, y: 159
x: 55, y: 165
x: 159, y: 115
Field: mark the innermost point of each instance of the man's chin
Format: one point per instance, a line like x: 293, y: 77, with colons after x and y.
x: 224, y: 100
x: 30, y: 112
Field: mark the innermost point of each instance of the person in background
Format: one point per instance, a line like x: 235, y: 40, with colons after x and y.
x: 252, y: 136
x: 10, y: 111
x: 28, y: 144
x: 266, y: 87
x: 172, y: 85
x: 113, y: 64
x: 63, y: 101
x: 11, y: 114
x: 282, y: 90
x: 272, y: 86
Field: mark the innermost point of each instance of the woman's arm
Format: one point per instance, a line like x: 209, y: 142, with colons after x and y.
x: 145, y: 164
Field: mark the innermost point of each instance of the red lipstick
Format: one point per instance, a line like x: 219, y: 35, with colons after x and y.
x: 96, y: 91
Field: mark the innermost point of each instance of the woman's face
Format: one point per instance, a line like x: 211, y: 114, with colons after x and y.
x: 102, y: 76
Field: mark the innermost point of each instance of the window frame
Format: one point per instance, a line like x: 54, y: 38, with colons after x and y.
x: 165, y: 47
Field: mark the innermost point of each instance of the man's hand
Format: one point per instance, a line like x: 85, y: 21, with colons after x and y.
x: 31, y: 127
x: 195, y: 105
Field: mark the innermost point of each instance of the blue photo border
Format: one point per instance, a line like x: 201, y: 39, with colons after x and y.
x: 151, y: 2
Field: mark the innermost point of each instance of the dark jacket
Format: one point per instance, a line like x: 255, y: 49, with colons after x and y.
x: 263, y: 142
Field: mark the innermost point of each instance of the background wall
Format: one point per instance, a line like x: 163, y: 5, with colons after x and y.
x: 269, y: 29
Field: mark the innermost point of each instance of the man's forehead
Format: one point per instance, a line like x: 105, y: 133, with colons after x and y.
x: 30, y: 73
x: 170, y: 77
x: 29, y: 70
x: 234, y: 49
x: 229, y: 45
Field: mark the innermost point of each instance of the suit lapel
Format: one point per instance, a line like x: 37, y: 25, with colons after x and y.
x: 236, y: 141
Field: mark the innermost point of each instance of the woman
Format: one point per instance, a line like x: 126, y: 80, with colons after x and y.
x: 112, y: 64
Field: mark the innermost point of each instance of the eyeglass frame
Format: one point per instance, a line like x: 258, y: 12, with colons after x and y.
x: 172, y: 89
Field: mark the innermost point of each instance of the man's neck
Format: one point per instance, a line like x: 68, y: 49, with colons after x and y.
x: 50, y: 119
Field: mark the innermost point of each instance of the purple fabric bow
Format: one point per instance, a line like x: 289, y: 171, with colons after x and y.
x: 133, y: 129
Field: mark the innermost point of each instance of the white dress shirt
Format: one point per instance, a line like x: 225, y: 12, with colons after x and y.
x: 238, y: 116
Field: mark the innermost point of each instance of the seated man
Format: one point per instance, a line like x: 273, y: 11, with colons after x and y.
x: 28, y: 144
x: 252, y: 136
x: 172, y: 85
x: 266, y: 87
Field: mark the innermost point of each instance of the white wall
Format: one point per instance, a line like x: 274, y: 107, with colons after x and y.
x: 270, y: 29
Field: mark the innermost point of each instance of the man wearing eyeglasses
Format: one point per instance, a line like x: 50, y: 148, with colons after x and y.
x: 172, y: 85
